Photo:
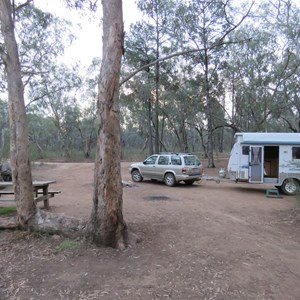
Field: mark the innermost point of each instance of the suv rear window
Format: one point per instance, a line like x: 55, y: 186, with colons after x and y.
x: 191, y: 160
x: 176, y: 160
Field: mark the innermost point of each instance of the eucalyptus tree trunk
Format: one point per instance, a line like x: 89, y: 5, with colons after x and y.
x: 19, y: 139
x: 149, y: 119
x: 107, y: 226
x: 1, y: 143
x: 157, y: 82
x: 184, y: 139
x: 210, y: 145
x: 149, y: 123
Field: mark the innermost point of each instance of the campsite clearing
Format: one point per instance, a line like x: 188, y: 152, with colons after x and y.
x: 205, y: 241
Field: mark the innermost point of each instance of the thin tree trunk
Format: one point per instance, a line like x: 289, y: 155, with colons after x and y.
x: 1, y: 143
x: 107, y: 226
x: 210, y: 145
x: 203, y: 143
x: 156, y: 117
x: 19, y: 142
x: 157, y: 82
x: 184, y: 146
x: 149, y: 123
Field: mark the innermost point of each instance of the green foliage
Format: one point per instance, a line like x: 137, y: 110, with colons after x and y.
x: 55, y: 155
x: 241, y: 79
x: 247, y: 83
x: 4, y: 132
x: 133, y: 154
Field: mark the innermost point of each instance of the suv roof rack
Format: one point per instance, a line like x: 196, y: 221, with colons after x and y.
x: 175, y: 153
x: 160, y: 153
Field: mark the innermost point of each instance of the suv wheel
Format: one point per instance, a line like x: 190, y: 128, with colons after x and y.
x: 136, y: 176
x: 170, y: 179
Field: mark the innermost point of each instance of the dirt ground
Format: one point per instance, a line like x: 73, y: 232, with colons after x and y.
x: 206, y: 241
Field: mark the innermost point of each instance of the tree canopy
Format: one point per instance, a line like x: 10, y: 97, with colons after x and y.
x: 201, y: 78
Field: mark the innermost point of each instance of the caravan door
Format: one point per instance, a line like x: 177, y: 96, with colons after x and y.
x: 256, y: 170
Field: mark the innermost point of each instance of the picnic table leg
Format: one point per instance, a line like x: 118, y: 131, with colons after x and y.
x: 46, y: 201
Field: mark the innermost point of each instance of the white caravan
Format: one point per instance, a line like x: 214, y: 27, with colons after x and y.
x: 272, y: 158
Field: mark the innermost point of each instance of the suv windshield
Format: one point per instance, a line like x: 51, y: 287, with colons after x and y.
x: 151, y: 160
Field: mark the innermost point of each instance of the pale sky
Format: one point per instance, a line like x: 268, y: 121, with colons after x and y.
x: 89, y: 37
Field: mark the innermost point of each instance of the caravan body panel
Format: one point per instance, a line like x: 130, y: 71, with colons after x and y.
x: 265, y: 157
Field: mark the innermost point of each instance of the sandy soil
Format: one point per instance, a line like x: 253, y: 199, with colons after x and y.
x: 206, y: 241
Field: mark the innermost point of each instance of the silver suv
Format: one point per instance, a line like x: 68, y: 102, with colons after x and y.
x: 168, y: 167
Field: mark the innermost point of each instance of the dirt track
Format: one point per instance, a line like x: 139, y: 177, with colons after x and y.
x: 205, y: 241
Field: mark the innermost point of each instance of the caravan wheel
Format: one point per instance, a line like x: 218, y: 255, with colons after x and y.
x: 290, y: 186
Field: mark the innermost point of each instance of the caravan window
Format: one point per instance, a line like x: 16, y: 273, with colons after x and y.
x: 245, y: 150
x: 296, y: 152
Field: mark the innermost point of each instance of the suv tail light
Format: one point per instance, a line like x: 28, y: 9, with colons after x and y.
x: 183, y: 170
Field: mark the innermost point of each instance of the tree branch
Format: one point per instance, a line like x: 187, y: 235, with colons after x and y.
x: 22, y: 5
x: 292, y: 128
x: 215, y: 45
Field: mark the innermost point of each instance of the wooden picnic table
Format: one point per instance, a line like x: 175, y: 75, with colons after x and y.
x: 40, y: 190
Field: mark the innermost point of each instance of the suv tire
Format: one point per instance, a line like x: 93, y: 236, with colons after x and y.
x: 170, y: 179
x: 136, y: 176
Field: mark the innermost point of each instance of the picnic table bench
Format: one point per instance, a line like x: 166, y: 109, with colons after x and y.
x: 40, y: 189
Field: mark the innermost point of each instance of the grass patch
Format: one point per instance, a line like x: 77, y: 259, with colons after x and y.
x: 67, y: 245
x: 7, y: 210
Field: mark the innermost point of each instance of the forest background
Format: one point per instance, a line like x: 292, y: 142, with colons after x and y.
x: 238, y: 70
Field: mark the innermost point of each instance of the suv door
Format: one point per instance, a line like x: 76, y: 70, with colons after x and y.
x: 148, y: 167
x: 163, y: 163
